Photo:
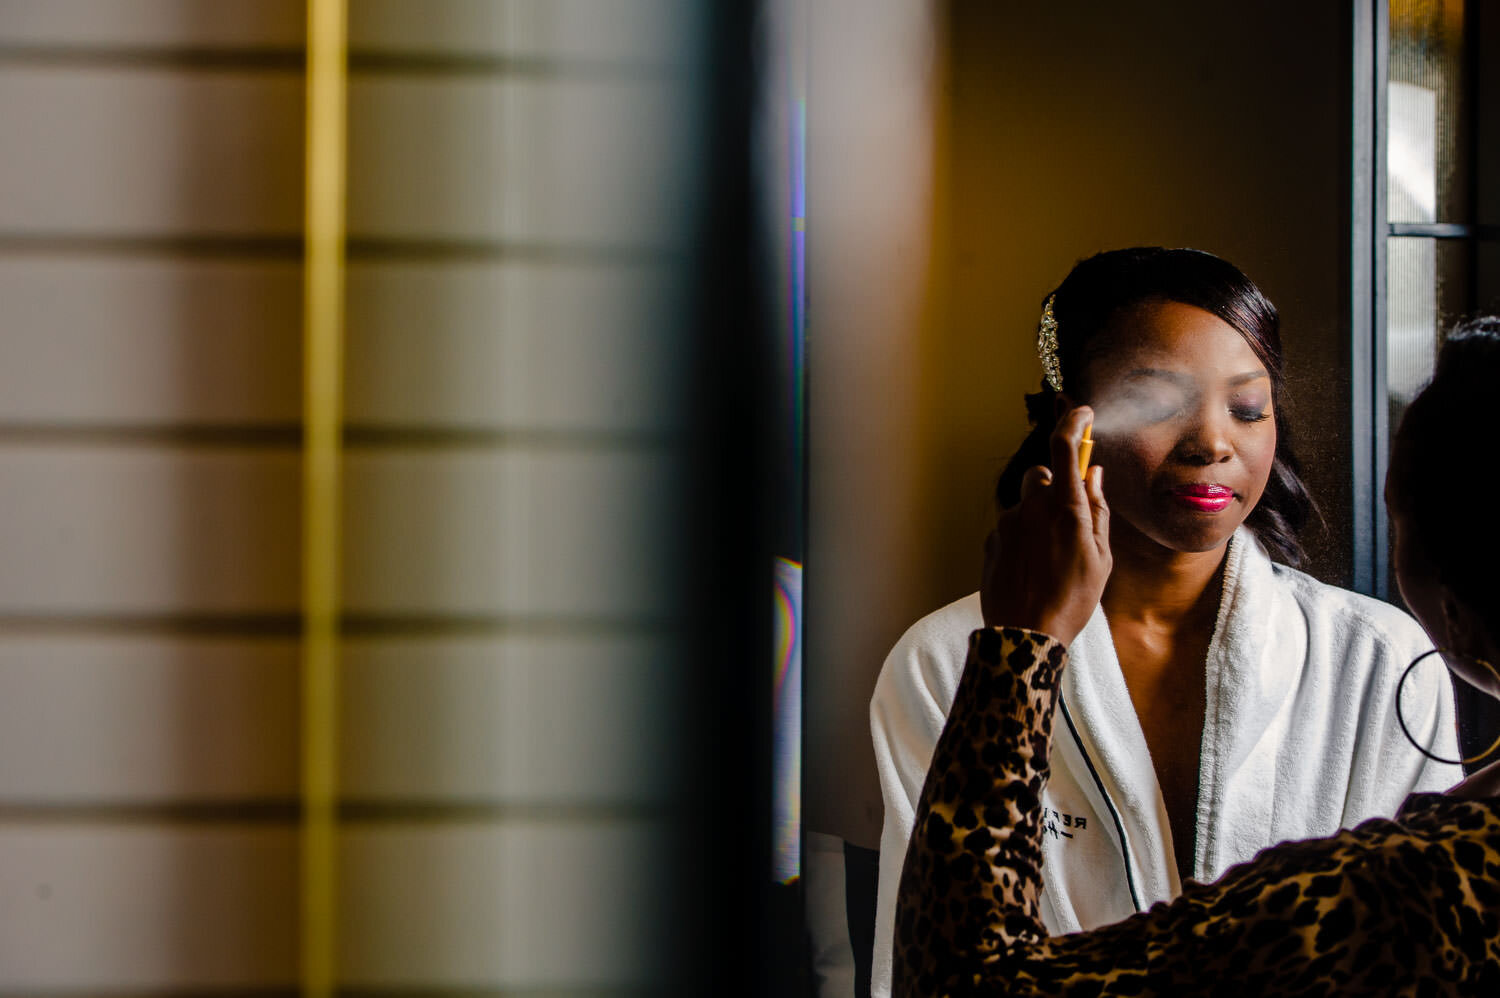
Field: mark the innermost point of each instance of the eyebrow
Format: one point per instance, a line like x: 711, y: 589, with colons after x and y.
x: 1185, y: 380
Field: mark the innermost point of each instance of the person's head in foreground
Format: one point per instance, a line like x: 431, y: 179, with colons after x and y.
x: 1447, y: 539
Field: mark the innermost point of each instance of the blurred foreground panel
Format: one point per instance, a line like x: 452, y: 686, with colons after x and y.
x: 524, y: 177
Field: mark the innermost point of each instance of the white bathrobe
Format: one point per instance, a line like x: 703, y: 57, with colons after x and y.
x: 1300, y: 739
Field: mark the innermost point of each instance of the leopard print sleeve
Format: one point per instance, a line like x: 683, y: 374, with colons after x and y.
x: 1391, y: 907
x: 971, y: 883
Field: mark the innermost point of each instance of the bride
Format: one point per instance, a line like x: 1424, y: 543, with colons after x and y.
x: 1218, y: 700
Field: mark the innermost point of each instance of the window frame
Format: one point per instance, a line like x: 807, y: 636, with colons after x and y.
x: 1370, y: 235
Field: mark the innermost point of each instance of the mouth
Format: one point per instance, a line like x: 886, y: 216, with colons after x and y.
x: 1203, y: 497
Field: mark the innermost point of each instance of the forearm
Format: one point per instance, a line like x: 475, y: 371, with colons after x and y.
x: 971, y: 884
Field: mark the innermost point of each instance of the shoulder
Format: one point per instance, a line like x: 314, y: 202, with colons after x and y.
x: 943, y: 628
x: 931, y: 653
x: 1348, y: 618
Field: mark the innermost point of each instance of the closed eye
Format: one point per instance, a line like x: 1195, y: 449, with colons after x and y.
x: 1154, y: 406
x: 1249, y: 407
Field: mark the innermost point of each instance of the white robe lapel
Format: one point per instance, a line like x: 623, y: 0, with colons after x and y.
x: 1094, y: 689
x: 1249, y: 681
x: 1252, y: 670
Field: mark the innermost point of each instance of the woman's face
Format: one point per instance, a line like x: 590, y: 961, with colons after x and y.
x: 1183, y: 423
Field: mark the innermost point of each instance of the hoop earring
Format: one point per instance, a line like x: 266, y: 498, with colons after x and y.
x: 1407, y: 732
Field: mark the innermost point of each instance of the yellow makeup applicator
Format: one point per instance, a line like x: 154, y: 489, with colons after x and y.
x: 1085, y: 448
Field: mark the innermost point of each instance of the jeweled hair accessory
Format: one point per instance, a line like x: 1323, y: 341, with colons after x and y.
x: 1046, y: 345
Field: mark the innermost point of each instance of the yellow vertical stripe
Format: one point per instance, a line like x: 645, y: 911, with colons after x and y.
x: 323, y: 347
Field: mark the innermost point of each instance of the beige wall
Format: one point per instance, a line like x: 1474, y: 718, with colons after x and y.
x: 509, y: 698
x: 1056, y: 131
x: 871, y: 120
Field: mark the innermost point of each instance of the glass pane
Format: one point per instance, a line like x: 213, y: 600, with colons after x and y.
x: 1487, y: 278
x: 1427, y: 291
x: 1429, y: 138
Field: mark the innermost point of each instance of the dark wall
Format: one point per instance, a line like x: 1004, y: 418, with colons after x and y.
x: 1083, y: 126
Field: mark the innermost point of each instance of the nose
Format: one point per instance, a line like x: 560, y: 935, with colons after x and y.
x: 1207, y: 439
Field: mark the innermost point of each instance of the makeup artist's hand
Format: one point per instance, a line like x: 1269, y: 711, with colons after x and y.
x: 1047, y: 560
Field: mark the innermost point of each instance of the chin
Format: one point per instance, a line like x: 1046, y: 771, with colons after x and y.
x: 1189, y: 534
x: 1473, y: 675
x: 1198, y: 547
x: 1193, y: 539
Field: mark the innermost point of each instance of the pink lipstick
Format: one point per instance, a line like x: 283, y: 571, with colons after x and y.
x: 1205, y: 497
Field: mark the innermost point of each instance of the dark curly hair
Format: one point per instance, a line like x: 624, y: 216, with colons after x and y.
x: 1097, y: 290
x: 1434, y: 448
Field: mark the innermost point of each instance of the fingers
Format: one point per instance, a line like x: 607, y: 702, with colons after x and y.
x: 1094, y: 486
x: 1036, y: 477
x: 1065, y: 444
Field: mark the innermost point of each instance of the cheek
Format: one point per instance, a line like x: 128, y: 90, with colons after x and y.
x: 1130, y: 461
x: 1258, y: 454
x: 1414, y: 592
x: 1415, y: 582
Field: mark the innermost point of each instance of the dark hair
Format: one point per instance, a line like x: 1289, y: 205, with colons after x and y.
x: 1089, y: 299
x: 1435, y: 448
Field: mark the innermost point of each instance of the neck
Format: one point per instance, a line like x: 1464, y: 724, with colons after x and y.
x: 1479, y: 785
x: 1155, y: 585
x: 1484, y: 782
